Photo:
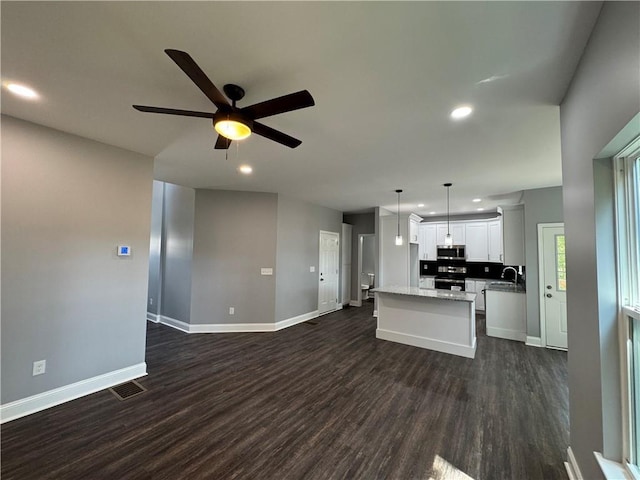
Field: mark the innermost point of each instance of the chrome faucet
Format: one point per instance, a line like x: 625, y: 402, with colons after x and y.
x: 515, y: 273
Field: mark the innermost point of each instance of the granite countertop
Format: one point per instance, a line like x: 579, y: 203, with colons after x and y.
x: 427, y: 292
x: 503, y: 286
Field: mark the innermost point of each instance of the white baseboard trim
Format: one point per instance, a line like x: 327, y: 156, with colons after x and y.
x: 41, y: 401
x: 177, y: 324
x: 152, y: 317
x: 289, y: 322
x: 237, y: 327
x: 573, y: 471
x: 534, y: 341
x: 507, y: 334
x: 355, y: 303
x: 430, y: 343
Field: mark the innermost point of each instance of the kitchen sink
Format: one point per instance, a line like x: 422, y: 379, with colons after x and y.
x: 504, y: 286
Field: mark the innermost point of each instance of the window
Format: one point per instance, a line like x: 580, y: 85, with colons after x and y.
x: 627, y: 189
x: 561, y: 264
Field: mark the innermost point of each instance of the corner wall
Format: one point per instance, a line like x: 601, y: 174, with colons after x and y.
x: 234, y: 237
x: 298, y: 248
x: 177, y: 252
x: 602, y: 98
x: 363, y: 223
x: 541, y: 205
x: 67, y: 203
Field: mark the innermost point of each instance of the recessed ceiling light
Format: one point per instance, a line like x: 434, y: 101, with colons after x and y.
x: 246, y: 169
x: 21, y: 90
x: 461, y: 112
x: 432, y: 213
x: 421, y: 205
x: 476, y: 200
x: 480, y: 209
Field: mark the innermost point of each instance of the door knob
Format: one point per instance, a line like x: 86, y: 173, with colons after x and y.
x: 322, y: 280
x: 549, y: 287
x: 549, y: 295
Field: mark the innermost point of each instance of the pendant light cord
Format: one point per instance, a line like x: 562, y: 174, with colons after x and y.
x: 448, y: 233
x: 399, y: 213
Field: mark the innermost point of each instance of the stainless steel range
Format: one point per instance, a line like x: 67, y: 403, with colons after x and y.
x: 451, y: 262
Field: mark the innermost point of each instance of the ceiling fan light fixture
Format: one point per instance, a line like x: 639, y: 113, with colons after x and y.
x: 232, y: 129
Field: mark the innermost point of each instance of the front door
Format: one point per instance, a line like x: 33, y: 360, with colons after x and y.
x: 554, y: 285
x: 329, y: 266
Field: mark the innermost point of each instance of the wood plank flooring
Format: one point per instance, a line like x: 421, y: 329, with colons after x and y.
x: 325, y: 401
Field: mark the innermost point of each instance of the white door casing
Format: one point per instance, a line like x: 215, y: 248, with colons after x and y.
x: 328, y: 271
x: 553, y: 285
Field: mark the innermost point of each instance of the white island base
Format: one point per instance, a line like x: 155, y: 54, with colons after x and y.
x: 439, y: 320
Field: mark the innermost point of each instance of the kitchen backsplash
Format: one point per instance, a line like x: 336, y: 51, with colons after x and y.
x: 474, y: 269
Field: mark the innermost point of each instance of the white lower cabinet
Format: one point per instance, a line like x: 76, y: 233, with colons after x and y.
x: 427, y: 282
x: 477, y: 287
x: 480, y: 286
x: 506, y: 315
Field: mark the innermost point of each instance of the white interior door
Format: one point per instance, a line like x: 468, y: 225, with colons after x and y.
x: 553, y: 285
x: 328, y: 271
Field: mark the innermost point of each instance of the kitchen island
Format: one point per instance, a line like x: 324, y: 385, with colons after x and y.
x: 441, y: 320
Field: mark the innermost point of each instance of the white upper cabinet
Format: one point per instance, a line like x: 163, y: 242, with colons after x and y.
x: 499, y: 240
x: 476, y: 242
x: 456, y: 230
x: 494, y: 240
x: 427, y: 241
x: 414, y: 228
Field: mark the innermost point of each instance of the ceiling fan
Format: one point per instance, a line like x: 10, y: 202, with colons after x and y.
x: 231, y: 122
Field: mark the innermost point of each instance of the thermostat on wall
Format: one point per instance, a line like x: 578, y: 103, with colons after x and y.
x: 124, y: 250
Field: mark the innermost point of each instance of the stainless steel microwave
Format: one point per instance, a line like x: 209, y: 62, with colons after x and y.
x: 451, y: 252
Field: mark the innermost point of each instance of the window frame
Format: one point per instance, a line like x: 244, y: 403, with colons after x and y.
x: 626, y: 164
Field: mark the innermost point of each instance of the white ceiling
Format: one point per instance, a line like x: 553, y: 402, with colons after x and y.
x: 384, y: 75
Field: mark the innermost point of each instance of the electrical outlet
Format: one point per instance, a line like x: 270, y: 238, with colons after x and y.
x: 232, y: 311
x: 150, y: 301
x: 486, y: 269
x: 39, y: 367
x: 312, y: 269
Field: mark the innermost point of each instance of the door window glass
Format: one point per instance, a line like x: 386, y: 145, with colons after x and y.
x: 561, y: 265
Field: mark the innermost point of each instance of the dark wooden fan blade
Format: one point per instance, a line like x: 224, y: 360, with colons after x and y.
x: 173, y: 111
x: 222, y: 143
x: 193, y: 71
x: 286, y: 103
x: 275, y: 135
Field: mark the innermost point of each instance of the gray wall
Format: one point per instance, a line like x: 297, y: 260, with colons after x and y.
x: 298, y: 248
x: 179, y: 208
x: 363, y: 223
x: 541, y: 205
x: 67, y: 202
x: 235, y: 236
x: 155, y: 249
x: 368, y: 257
x: 602, y: 98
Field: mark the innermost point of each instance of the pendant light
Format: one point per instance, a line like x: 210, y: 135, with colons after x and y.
x: 448, y: 239
x: 398, y: 236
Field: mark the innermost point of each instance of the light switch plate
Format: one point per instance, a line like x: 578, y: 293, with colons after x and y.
x: 266, y: 271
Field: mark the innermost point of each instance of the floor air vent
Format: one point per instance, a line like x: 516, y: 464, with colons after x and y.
x: 127, y: 390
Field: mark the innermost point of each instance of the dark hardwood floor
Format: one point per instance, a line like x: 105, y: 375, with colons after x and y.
x: 310, y: 402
